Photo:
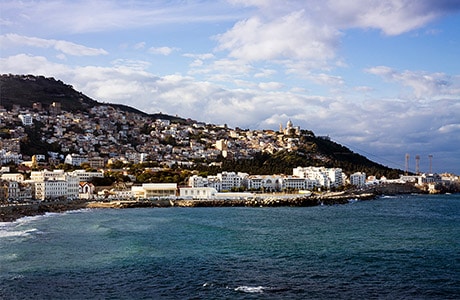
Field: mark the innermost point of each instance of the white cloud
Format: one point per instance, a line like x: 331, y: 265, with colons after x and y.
x: 270, y: 85
x: 202, y: 56
x: 363, y: 89
x: 449, y: 128
x: 291, y: 36
x: 162, y: 50
x: 83, y: 16
x: 69, y: 48
x: 325, y: 79
x: 423, y: 84
x: 375, y: 125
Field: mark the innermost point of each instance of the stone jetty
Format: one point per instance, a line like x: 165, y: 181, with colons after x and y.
x: 254, y: 201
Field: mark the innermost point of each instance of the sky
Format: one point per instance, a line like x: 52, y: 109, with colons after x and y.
x: 381, y: 77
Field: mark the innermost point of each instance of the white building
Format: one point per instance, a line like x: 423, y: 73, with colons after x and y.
x: 83, y: 175
x: 85, y: 190
x: 55, y: 184
x: 298, y: 183
x: 197, y: 192
x: 326, y: 177
x: 358, y: 179
x: 46, y: 175
x: 8, y: 156
x: 229, y: 180
x: 13, y: 190
x: 265, y: 182
x: 154, y: 190
x: 211, y: 181
x: 13, y: 177
x: 75, y: 159
x: 26, y: 119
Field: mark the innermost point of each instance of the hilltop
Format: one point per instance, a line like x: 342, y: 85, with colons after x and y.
x: 93, y: 129
x: 25, y: 90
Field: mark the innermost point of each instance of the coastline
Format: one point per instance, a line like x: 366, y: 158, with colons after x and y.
x: 10, y: 213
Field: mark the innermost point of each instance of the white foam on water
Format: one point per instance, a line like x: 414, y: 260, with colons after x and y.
x: 250, y: 289
x: 17, y: 233
x: 9, y: 257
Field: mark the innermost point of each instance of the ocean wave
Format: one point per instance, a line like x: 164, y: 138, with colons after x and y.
x: 250, y: 289
x: 18, y: 233
x: 389, y: 197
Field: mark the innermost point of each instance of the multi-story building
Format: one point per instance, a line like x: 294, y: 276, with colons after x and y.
x: 265, y: 182
x: 326, y: 177
x: 10, y: 157
x: 229, y: 180
x: 298, y: 183
x: 86, y: 176
x: 55, y: 184
x: 358, y: 179
x: 26, y: 119
x: 13, y: 177
x: 75, y: 159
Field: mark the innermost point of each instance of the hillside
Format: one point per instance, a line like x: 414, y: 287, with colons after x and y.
x: 25, y: 90
x: 114, y: 135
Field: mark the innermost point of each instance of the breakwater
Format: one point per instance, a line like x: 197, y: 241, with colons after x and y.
x: 256, y: 201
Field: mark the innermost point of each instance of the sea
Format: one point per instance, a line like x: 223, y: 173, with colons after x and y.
x: 393, y: 247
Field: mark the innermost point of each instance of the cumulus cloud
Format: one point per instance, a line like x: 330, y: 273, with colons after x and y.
x: 291, y: 36
x: 8, y: 40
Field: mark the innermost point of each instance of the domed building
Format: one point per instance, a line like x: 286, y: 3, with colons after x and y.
x: 290, y: 129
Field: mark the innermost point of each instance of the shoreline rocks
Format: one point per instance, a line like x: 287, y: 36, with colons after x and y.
x: 10, y: 213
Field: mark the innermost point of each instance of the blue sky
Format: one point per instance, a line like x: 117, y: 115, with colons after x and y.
x: 381, y: 77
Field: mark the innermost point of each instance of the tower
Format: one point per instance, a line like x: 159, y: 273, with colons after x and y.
x: 417, y: 164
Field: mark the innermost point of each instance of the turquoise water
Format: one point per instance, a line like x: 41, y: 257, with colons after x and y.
x: 405, y: 247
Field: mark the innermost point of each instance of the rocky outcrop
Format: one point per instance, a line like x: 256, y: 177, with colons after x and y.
x: 9, y: 213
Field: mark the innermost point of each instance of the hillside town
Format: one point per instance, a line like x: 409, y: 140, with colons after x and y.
x: 105, y: 135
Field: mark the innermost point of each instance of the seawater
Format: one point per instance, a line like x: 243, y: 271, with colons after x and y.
x: 402, y: 247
